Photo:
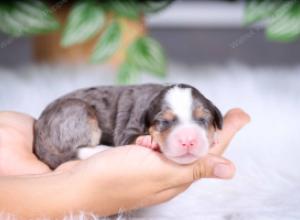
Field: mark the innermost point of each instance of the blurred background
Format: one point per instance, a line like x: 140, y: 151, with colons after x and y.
x: 193, y: 32
x: 238, y: 53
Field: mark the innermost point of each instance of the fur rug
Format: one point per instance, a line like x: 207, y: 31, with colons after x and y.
x: 266, y: 152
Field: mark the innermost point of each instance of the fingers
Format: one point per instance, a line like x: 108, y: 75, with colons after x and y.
x: 213, y: 167
x: 210, y: 166
x: 234, y: 120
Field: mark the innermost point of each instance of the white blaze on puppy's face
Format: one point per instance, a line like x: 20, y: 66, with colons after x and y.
x: 186, y: 141
x: 180, y: 101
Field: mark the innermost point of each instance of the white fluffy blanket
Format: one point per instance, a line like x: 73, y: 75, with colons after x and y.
x: 266, y: 152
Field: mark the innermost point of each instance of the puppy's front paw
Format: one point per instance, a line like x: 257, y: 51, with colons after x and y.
x: 147, y: 141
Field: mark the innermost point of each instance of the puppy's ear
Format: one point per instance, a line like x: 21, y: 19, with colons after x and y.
x: 153, y: 109
x: 146, y: 117
x: 217, y: 116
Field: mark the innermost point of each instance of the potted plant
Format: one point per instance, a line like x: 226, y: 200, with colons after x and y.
x: 89, y: 31
x: 282, y: 18
x: 114, y: 31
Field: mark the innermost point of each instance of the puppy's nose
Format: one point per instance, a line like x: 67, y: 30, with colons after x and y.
x: 187, y: 141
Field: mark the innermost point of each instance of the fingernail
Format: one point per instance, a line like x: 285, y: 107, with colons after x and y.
x: 222, y: 171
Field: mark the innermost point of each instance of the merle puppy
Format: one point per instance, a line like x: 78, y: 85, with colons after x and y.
x: 176, y: 119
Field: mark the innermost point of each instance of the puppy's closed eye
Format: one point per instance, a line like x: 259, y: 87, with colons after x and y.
x: 164, y: 124
x: 202, y: 121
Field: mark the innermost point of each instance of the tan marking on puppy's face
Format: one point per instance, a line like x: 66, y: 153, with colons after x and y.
x: 162, y: 127
x: 202, y: 115
x: 159, y: 137
x: 168, y: 115
x: 156, y: 135
x: 200, y: 112
x: 211, y: 135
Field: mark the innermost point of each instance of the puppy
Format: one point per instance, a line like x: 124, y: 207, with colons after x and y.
x: 176, y: 119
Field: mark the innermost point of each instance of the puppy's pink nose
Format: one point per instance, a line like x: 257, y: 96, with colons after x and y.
x: 187, y: 142
x: 187, y: 138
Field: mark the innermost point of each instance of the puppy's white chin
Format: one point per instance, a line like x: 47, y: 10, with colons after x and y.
x: 185, y: 159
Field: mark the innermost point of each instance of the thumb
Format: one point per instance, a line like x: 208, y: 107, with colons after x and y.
x: 210, y: 166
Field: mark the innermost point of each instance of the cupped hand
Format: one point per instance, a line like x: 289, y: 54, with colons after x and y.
x: 128, y: 177
x: 139, y: 177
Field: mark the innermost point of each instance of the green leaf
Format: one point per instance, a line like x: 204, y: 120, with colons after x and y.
x: 108, y: 44
x: 21, y: 18
x: 152, y: 6
x: 285, y: 25
x: 84, y: 22
x: 257, y: 10
x: 147, y: 55
x: 129, y: 8
x: 128, y: 73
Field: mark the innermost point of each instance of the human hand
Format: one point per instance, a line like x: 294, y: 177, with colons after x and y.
x: 16, y: 141
x: 131, y: 177
x: 128, y: 177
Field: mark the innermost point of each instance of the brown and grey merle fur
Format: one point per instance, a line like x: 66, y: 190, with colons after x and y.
x: 106, y: 115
